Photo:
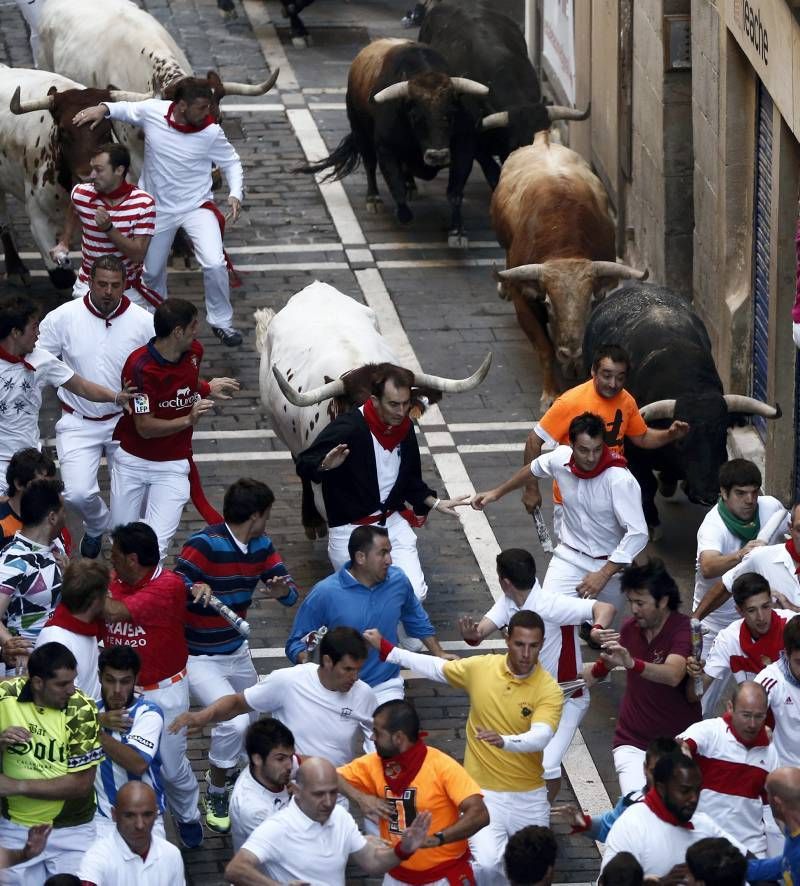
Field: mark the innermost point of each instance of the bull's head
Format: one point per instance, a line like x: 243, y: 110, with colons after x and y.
x: 355, y: 386
x: 430, y: 103
x: 704, y: 449
x: 522, y: 122
x: 568, y: 287
x: 220, y: 88
x: 73, y: 146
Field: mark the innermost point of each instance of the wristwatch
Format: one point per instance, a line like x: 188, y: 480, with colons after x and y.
x: 440, y: 837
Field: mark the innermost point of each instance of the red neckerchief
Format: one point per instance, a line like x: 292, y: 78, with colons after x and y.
x: 119, y: 193
x: 63, y: 618
x: 609, y: 459
x: 187, y: 127
x: 401, y: 769
x: 794, y: 555
x: 12, y: 358
x: 655, y: 804
x: 388, y: 436
x: 761, y: 651
x: 123, y: 306
x: 760, y: 741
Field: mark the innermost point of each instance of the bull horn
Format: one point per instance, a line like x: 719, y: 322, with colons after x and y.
x: 751, y: 406
x: 120, y: 95
x: 390, y: 93
x: 657, y: 409
x: 333, y: 388
x: 466, y: 86
x: 563, y: 112
x: 617, y: 269
x: 232, y: 88
x: 40, y: 104
x: 454, y: 385
x: 522, y: 272
x: 495, y: 121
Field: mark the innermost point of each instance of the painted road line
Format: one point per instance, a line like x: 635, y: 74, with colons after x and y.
x: 270, y: 43
x: 580, y: 769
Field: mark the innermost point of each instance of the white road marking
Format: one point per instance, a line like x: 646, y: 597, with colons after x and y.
x: 270, y: 43
x: 578, y: 763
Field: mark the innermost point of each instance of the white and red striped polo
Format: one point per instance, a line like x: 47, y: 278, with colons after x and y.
x: 734, y: 776
x: 134, y: 216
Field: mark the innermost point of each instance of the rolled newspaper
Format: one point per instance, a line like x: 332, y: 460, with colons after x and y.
x: 234, y: 620
x: 778, y: 519
x: 697, y: 652
x: 542, y: 531
x: 312, y: 638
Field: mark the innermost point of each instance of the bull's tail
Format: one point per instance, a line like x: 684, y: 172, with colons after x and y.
x: 343, y: 160
x: 263, y: 317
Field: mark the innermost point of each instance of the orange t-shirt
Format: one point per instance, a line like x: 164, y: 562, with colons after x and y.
x: 620, y: 413
x: 440, y: 787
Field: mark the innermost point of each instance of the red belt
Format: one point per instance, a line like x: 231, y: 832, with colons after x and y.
x: 407, y: 514
x: 583, y: 552
x: 372, y: 519
x: 106, y: 417
x: 162, y: 684
x: 457, y: 872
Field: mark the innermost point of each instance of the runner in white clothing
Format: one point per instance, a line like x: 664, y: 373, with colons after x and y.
x: 729, y: 531
x: 603, y: 526
x: 93, y: 336
x: 262, y: 788
x: 182, y: 142
x: 326, y: 707
x: 25, y: 370
x: 560, y: 655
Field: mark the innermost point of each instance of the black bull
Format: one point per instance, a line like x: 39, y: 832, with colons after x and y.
x: 672, y: 368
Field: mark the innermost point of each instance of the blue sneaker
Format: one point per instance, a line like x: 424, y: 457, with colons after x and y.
x: 91, y: 546
x: 190, y: 833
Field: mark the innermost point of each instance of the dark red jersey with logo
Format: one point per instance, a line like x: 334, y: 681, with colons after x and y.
x: 165, y: 390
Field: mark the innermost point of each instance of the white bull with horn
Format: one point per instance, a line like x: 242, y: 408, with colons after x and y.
x: 42, y: 154
x: 318, y: 356
x: 116, y: 42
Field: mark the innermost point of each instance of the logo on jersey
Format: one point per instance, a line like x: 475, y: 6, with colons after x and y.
x: 183, y: 399
x: 141, y: 404
x: 404, y: 808
x: 345, y: 713
x: 525, y: 710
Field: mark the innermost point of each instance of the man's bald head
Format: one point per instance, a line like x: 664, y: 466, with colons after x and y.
x: 783, y: 791
x: 135, y: 813
x: 135, y: 792
x: 750, y: 693
x: 317, y: 788
x: 748, y: 710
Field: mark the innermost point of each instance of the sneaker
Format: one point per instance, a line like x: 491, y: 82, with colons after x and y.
x: 190, y: 833
x: 90, y: 546
x: 217, y: 813
x: 229, y: 336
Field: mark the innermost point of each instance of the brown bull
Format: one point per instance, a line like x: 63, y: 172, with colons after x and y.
x: 550, y: 214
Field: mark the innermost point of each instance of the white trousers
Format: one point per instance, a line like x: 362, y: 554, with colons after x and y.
x: 166, y: 485
x: 180, y: 784
x: 718, y: 689
x: 568, y: 568
x: 572, y: 713
x: 508, y: 812
x: 629, y: 763
x: 404, y: 550
x: 31, y: 11
x: 211, y: 677
x: 202, y: 229
x: 80, y: 289
x: 795, y: 326
x: 62, y: 855
x: 80, y: 445
x: 389, y: 880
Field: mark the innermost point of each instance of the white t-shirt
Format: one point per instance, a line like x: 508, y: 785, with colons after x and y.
x: 727, y: 656
x: 784, y: 702
x: 733, y: 780
x: 251, y: 804
x: 602, y: 516
x: 714, y: 535
x: 21, y: 398
x: 775, y: 564
x: 657, y: 845
x: 324, y: 723
x: 291, y: 846
x: 85, y: 651
x: 557, y: 611
x: 94, y: 348
x: 109, y: 861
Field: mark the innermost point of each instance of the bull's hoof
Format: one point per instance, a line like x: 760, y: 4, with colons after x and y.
x: 374, y: 203
x: 501, y: 291
x: 62, y: 278
x: 302, y: 42
x: 667, y: 486
x: 457, y: 240
x: 404, y: 214
x: 654, y: 533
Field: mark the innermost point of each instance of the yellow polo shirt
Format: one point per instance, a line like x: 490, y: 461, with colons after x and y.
x: 506, y: 704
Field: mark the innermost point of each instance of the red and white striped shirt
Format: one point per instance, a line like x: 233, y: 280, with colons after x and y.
x: 134, y: 216
x: 733, y: 779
